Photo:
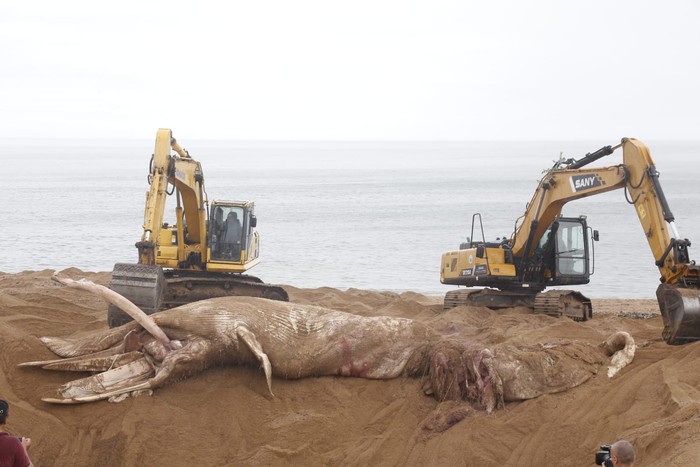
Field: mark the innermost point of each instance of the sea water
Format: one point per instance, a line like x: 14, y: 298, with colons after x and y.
x: 367, y: 215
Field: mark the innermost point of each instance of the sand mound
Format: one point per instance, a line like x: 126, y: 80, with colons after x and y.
x: 226, y: 417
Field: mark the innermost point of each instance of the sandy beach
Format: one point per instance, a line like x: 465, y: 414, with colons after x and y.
x: 226, y: 416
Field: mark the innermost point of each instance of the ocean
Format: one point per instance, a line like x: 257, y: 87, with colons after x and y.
x: 366, y: 215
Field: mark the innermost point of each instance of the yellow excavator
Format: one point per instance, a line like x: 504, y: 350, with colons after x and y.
x: 203, y: 255
x: 547, y: 249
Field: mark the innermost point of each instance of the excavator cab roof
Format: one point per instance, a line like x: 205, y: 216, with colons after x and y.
x: 220, y: 202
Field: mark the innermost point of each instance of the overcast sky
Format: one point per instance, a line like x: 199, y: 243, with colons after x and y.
x: 353, y: 70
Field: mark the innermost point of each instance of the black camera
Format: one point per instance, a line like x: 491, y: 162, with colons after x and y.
x: 602, y: 457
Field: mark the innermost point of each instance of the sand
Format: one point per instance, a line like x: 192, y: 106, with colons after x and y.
x: 226, y: 416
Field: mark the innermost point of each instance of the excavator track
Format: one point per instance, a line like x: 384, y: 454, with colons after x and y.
x: 153, y: 289
x: 553, y: 302
x: 490, y: 298
x: 567, y: 303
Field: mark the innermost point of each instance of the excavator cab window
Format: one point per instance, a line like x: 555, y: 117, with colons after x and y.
x: 226, y: 232
x: 571, y: 248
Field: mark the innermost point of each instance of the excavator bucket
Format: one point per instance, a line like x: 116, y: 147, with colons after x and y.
x: 142, y: 284
x: 680, y: 310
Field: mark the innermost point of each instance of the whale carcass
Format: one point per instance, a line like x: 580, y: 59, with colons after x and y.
x: 291, y: 341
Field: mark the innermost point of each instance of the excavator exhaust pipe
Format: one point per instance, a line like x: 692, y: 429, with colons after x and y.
x: 680, y: 310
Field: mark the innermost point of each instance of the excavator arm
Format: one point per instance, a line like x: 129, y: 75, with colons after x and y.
x: 185, y: 174
x: 679, y: 294
x: 655, y: 216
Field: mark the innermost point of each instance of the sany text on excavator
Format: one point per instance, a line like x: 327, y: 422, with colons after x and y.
x: 203, y: 255
x: 547, y: 249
